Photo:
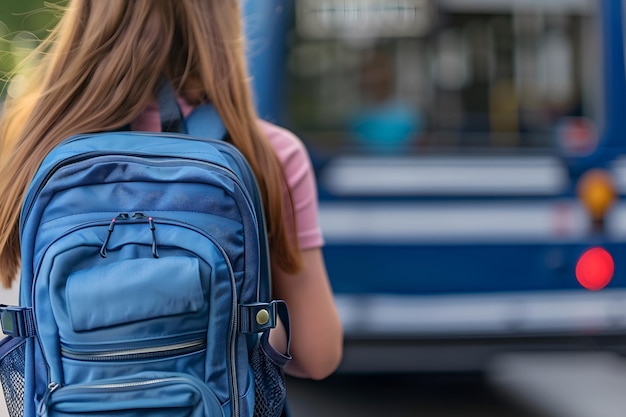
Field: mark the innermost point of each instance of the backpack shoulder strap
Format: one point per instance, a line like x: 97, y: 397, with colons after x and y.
x: 169, y: 111
x: 205, y: 122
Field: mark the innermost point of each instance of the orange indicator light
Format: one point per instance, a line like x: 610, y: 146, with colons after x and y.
x: 597, y: 192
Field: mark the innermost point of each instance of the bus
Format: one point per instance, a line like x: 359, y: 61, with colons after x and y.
x: 471, y: 169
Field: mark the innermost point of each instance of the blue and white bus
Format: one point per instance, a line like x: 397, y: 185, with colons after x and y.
x: 471, y: 167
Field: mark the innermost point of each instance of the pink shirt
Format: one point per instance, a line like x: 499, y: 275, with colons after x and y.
x: 296, y: 165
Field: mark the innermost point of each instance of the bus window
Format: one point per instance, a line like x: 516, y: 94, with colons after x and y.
x: 414, y: 76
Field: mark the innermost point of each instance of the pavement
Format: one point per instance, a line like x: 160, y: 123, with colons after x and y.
x: 565, y: 384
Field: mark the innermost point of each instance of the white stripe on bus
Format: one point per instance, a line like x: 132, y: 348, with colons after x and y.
x: 453, y: 222
x: 482, y: 314
x: 464, y: 176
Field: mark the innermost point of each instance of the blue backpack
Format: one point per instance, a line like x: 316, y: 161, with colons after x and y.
x: 145, y: 282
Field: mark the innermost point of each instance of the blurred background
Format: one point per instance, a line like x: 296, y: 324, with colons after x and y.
x: 23, y: 23
x: 471, y: 168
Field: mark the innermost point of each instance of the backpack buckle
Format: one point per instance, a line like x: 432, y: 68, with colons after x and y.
x: 16, y: 321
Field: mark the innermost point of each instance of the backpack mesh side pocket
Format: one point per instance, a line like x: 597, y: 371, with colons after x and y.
x: 12, y: 368
x: 269, y: 380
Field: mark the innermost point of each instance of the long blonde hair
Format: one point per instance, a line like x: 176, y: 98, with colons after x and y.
x: 99, y: 69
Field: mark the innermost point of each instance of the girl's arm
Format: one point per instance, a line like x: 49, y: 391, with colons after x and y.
x: 316, y: 333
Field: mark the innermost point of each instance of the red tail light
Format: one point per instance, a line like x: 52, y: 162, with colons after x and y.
x: 595, y: 269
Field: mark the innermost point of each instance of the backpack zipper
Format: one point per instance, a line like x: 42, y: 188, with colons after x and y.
x: 157, y: 352
x: 54, y: 386
x: 68, y: 389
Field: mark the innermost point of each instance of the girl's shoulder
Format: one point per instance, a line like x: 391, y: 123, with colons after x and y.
x: 289, y: 148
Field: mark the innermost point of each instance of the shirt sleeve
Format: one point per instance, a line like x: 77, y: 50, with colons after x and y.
x: 300, y: 178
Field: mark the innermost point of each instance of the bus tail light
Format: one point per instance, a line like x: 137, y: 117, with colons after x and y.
x: 595, y: 268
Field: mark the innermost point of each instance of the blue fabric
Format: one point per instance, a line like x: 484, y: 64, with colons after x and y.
x: 169, y: 112
x: 204, y: 121
x: 133, y: 290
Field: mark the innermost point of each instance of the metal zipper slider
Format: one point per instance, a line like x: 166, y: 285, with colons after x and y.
x: 43, y: 405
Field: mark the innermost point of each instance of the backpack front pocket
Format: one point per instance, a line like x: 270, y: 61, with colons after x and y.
x: 133, y: 290
x: 147, y: 394
x: 130, y: 312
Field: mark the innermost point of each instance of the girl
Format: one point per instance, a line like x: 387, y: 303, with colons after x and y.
x: 98, y: 71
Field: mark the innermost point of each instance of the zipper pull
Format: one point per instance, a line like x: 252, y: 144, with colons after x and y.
x: 150, y: 219
x: 42, y: 410
x: 155, y: 252
x: 103, y: 249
